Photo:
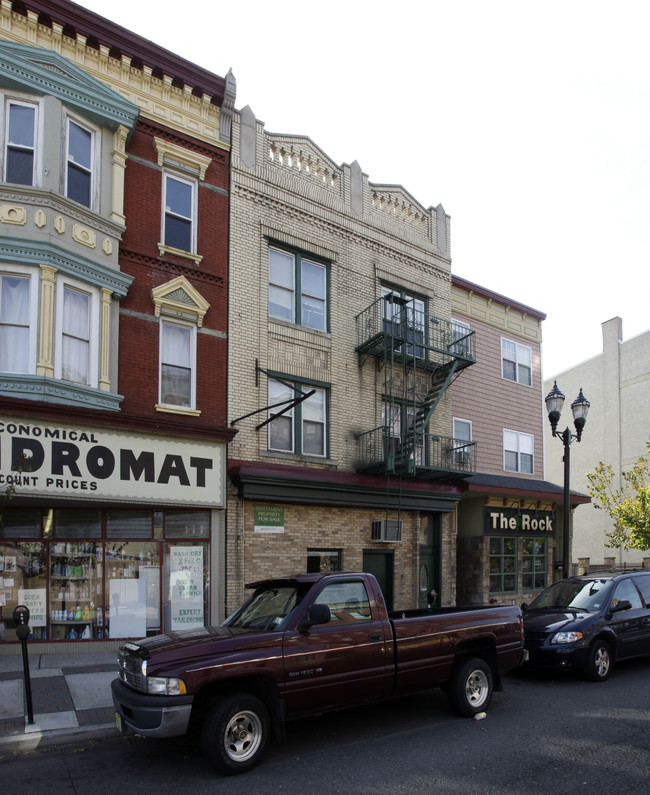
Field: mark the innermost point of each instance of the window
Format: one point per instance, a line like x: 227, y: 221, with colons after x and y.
x: 179, y: 202
x: 400, y: 418
x: 17, y: 324
x: 302, y: 429
x: 462, y: 452
x: 503, y: 565
x: 177, y: 364
x: 348, y: 602
x: 518, y: 451
x: 534, y: 564
x: 324, y: 560
x: 403, y: 317
x: 625, y: 591
x: 297, y: 289
x: 79, y: 171
x: 77, y: 340
x: 516, y: 362
x: 460, y: 338
x: 20, y: 148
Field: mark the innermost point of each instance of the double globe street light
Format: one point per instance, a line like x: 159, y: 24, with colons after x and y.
x: 580, y: 408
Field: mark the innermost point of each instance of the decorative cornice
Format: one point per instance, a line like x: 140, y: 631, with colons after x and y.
x: 39, y: 71
x: 31, y: 252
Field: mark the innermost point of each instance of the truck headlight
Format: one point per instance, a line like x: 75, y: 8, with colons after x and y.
x: 566, y: 637
x: 164, y: 686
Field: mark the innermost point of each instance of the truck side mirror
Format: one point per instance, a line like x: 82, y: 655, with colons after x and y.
x: 317, y: 614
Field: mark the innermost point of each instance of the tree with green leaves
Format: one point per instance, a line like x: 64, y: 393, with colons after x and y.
x: 628, y: 506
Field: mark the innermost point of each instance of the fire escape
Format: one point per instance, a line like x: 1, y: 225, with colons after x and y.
x: 420, y: 355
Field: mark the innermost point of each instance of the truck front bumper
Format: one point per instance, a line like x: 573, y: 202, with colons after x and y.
x: 151, y: 716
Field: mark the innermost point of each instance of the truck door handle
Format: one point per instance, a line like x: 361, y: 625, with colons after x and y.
x: 375, y: 636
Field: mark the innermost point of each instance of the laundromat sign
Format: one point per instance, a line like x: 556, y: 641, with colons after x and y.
x: 504, y: 521
x: 67, y: 461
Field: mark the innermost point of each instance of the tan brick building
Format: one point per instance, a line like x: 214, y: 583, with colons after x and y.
x: 340, y: 302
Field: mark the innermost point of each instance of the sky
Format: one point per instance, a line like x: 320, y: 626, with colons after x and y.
x: 529, y: 122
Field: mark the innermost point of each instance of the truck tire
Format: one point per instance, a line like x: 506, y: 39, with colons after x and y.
x: 235, y: 733
x: 470, y: 687
x: 599, y: 662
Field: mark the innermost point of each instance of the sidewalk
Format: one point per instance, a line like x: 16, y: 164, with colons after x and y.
x: 71, y: 698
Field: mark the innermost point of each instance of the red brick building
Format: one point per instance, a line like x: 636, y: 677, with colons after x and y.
x: 113, y: 298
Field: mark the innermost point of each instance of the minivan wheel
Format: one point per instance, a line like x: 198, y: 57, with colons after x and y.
x: 599, y: 662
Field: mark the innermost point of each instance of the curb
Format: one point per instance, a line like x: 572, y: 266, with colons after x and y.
x: 56, y: 737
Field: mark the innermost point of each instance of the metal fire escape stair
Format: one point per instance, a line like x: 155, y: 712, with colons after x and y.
x: 441, y: 377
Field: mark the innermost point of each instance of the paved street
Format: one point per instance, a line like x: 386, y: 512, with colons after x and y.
x: 543, y: 734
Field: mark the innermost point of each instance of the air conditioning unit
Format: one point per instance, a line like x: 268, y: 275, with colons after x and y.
x: 387, y: 530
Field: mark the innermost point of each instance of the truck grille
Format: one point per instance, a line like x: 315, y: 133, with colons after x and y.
x: 130, y: 666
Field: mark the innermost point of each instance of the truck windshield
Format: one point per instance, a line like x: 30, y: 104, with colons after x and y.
x: 589, y: 595
x: 266, y: 608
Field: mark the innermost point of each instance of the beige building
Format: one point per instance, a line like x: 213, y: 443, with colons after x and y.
x: 341, y: 349
x: 510, y: 520
x: 617, y: 384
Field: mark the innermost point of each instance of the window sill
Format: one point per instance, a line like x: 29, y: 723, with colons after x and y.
x: 302, y: 459
x: 178, y: 252
x: 177, y: 410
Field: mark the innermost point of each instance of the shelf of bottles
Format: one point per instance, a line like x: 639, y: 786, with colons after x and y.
x: 76, y: 590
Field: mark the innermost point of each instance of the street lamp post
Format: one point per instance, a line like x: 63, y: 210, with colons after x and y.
x: 580, y: 408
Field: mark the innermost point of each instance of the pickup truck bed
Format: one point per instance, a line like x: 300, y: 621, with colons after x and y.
x: 303, y: 645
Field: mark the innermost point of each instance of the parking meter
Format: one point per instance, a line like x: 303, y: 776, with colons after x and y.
x: 21, y: 617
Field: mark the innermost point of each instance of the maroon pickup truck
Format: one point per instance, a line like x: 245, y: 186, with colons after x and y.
x: 301, y: 646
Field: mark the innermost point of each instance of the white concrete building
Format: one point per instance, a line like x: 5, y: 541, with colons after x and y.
x: 617, y: 384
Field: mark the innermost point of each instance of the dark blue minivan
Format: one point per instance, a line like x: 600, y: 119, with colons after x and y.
x: 589, y: 622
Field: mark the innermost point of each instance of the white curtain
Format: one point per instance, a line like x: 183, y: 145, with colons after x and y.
x: 76, y: 336
x: 14, y: 328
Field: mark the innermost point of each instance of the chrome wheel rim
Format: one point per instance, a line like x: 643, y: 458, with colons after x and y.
x: 601, y: 661
x: 477, y: 688
x: 243, y: 736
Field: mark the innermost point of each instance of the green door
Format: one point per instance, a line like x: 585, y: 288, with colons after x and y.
x: 381, y: 565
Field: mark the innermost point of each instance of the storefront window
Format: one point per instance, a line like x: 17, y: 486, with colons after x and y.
x: 132, y: 589
x: 503, y: 565
x: 71, y: 523
x: 75, y: 590
x: 533, y: 564
x: 128, y: 524
x: 104, y: 574
x: 185, y: 585
x: 23, y: 582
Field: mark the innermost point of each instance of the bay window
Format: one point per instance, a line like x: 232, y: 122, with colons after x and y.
x: 77, y: 340
x: 20, y: 143
x: 17, y: 324
x: 79, y: 164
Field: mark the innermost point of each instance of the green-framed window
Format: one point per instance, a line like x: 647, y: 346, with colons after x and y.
x: 503, y: 564
x: 534, y: 564
x: 298, y: 288
x: 301, y: 429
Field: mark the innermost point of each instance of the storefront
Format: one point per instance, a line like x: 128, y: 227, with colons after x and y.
x: 510, y: 538
x: 106, y: 535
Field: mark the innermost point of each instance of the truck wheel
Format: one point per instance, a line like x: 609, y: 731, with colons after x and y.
x: 599, y: 662
x: 235, y: 733
x: 470, y: 687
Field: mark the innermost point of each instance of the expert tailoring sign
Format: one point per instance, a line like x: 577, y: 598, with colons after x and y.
x: 68, y: 461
